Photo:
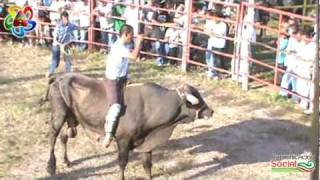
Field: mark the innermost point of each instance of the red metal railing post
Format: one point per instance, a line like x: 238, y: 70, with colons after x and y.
x: 275, y: 80
x: 186, y: 46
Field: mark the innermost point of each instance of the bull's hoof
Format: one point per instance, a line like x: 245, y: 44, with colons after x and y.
x: 51, y: 170
x: 68, y: 163
x: 72, y: 132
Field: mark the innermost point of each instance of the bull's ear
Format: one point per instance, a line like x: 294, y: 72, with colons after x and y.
x: 192, y: 99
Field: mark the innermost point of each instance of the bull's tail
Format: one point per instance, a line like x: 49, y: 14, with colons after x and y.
x: 45, y: 99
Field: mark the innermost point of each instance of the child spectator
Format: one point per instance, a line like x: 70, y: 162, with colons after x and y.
x: 305, y: 58
x: 283, y: 44
x: 288, y: 80
x: 217, y: 31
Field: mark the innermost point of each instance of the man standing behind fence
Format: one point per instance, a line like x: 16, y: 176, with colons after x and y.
x: 62, y: 35
x: 104, y: 10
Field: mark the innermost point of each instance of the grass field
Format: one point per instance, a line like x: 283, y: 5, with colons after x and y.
x: 247, y: 130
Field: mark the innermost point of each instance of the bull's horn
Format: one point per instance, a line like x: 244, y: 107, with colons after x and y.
x: 193, y: 100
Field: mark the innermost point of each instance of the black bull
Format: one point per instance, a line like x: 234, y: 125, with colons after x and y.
x: 150, y: 114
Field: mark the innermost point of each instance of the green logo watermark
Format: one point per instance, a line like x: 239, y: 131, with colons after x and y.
x: 286, y: 163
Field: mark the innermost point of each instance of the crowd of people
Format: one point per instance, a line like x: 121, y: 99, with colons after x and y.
x: 164, y: 29
x: 297, y: 50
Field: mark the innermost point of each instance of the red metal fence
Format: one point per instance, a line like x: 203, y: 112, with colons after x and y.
x: 263, y: 70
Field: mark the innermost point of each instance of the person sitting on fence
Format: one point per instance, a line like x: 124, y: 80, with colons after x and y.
x: 288, y: 80
x: 63, y: 34
x: 282, y: 46
x: 305, y: 58
x: 217, y: 30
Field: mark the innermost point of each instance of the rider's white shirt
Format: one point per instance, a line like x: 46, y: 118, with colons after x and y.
x: 117, y: 61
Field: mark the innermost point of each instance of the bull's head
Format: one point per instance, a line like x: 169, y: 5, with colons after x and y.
x: 197, y: 107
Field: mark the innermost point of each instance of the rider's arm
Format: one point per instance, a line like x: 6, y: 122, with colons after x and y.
x: 134, y: 54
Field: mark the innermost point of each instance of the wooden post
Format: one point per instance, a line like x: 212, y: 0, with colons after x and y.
x: 187, y: 26
x: 235, y: 59
x: 315, y: 117
x: 92, y: 23
x: 244, y: 57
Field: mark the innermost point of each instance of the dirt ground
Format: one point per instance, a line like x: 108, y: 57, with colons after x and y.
x: 247, y: 129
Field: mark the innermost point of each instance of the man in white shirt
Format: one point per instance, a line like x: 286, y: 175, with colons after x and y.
x: 217, y: 30
x: 173, y: 36
x: 116, y: 75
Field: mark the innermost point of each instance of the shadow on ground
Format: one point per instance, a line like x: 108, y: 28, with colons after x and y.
x: 247, y: 142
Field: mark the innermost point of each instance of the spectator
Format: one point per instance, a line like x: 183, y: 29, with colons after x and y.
x: 217, y: 31
x: 283, y: 44
x: 179, y: 16
x: 43, y: 29
x: 172, y: 36
x: 104, y: 10
x: 118, y: 11
x: 62, y: 36
x: 55, y: 9
x: 34, y: 6
x: 198, y: 39
x: 148, y: 16
x: 284, y: 26
x: 305, y: 58
x: 293, y: 24
x: 131, y: 14
x: 152, y: 16
x: 289, y: 81
x: 84, y: 14
x: 46, y: 2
